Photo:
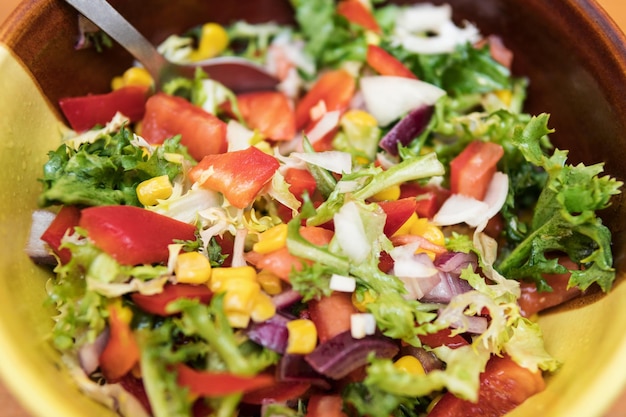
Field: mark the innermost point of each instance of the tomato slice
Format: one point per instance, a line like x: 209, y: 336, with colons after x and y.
x: 201, y: 132
x: 133, y: 235
x: 121, y: 352
x: 443, y: 338
x: 238, y: 175
x: 219, y: 384
x: 270, y: 112
x: 386, y: 64
x: 356, y: 12
x: 429, y: 198
x: 471, y: 171
x: 66, y: 219
x: 503, y: 386
x: 325, y: 406
x: 335, y: 88
x: 83, y: 113
x: 331, y: 315
x: 157, y: 303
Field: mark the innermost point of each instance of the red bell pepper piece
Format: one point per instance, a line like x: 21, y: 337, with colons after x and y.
x: 356, y: 12
x: 270, y: 112
x: 300, y: 181
x: 443, y: 338
x: 239, y: 175
x: 133, y: 235
x: 398, y: 212
x: 325, y: 406
x: 471, y: 171
x: 66, y: 219
x: 386, y: 64
x: 218, y: 384
x: 157, y: 303
x: 429, y: 198
x: 121, y: 352
x: 83, y: 113
x: 201, y: 132
x: 503, y: 386
x: 335, y: 88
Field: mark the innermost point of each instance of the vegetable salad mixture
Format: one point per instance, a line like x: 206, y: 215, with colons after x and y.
x: 372, y: 238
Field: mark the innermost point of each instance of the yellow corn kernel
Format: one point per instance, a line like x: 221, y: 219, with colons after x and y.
x: 405, y: 229
x: 359, y: 117
x: 410, y: 364
x: 302, y: 336
x: 149, y: 192
x: 272, y: 239
x: 429, y: 231
x: 132, y: 76
x: 241, y: 295
x: 388, y: 194
x: 237, y: 320
x: 360, y: 300
x: 505, y: 96
x: 270, y: 282
x: 221, y: 276
x: 124, y: 314
x: 192, y: 268
x: 213, y: 41
x: 263, y: 308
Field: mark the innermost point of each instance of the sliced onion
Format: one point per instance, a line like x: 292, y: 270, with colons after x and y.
x: 272, y: 334
x: 473, y: 324
x: 325, y: 125
x: 89, y: 353
x: 238, y: 136
x: 286, y: 299
x: 350, y: 233
x: 459, y: 209
x: 407, y: 129
x: 342, y: 354
x: 448, y: 287
x: 36, y: 248
x: 334, y: 161
x: 455, y: 262
x: 294, y: 368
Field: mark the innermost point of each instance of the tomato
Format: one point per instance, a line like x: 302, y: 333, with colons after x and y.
x: 279, y: 392
x: 356, y: 12
x: 300, y: 181
x: 270, y: 112
x: 443, y: 338
x: 331, y: 315
x: 238, y: 175
x: 532, y: 301
x: 121, y: 352
x: 386, y: 64
x: 325, y: 406
x: 157, y: 303
x: 66, y: 219
x: 167, y: 116
x: 219, y: 384
x: 428, y: 198
x: 83, y: 113
x: 133, y: 235
x: 335, y: 88
x: 398, y: 212
x: 471, y: 171
x: 503, y: 386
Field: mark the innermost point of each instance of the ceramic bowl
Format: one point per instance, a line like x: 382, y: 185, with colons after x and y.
x: 573, y: 55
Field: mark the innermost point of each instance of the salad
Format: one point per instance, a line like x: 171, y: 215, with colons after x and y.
x: 375, y: 237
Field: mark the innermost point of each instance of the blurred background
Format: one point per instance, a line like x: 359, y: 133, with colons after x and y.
x: 9, y: 407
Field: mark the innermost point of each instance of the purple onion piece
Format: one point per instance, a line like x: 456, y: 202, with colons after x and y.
x: 455, y: 262
x: 294, y: 368
x: 89, y: 353
x: 272, y: 334
x: 286, y: 299
x: 429, y: 360
x: 409, y: 127
x: 475, y: 324
x: 448, y: 287
x: 343, y: 354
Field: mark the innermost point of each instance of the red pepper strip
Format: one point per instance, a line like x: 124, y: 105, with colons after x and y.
x: 83, y: 113
x: 121, y: 352
x: 157, y: 303
x: 300, y: 181
x: 398, y: 212
x: 386, y: 64
x: 133, y: 235
x: 270, y: 112
x: 356, y: 12
x: 218, y: 384
x: 239, y: 175
x: 443, y: 338
x: 65, y: 220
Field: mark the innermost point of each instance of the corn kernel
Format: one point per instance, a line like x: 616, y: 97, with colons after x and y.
x: 149, y: 192
x: 137, y: 76
x: 272, y: 239
x: 192, y: 268
x: 221, y: 276
x: 359, y: 117
x: 405, y: 229
x: 237, y: 320
x: 360, y: 300
x: 117, y: 83
x: 241, y: 295
x: 270, y: 282
x: 213, y: 41
x: 505, y: 96
x: 302, y: 336
x: 123, y: 314
x: 388, y: 194
x: 429, y: 231
x: 410, y: 364
x: 263, y: 308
